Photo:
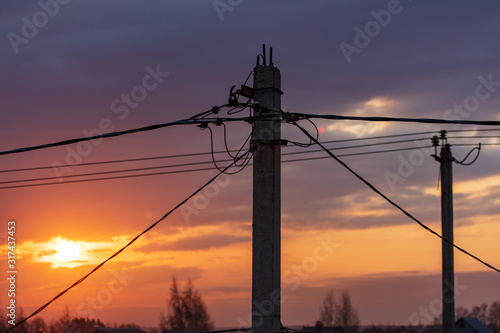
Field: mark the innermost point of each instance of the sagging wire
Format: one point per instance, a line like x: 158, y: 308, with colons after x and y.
x: 466, y: 156
x: 444, y: 143
x: 241, y: 146
x: 311, y: 143
x: 245, y: 158
x: 228, y: 151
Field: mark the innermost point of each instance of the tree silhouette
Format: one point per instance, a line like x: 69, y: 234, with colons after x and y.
x: 460, y: 312
x: 494, y: 315
x: 480, y: 312
x: 340, y: 314
x: 186, y: 311
x: 38, y: 325
x: 345, y: 315
x: 327, y: 309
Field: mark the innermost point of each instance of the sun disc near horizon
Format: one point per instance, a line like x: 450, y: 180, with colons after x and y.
x: 67, y: 251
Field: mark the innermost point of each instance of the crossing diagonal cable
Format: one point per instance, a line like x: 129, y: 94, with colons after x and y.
x: 390, y: 201
x: 40, y: 309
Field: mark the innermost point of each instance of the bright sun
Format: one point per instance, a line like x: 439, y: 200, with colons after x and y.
x: 67, y: 251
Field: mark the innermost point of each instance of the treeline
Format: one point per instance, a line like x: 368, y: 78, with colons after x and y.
x: 487, y: 314
x: 186, y: 311
x: 65, y: 324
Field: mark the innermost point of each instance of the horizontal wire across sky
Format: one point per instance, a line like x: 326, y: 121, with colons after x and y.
x: 181, y: 167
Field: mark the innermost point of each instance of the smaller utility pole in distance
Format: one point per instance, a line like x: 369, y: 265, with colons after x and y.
x: 448, y: 276
x: 266, y: 219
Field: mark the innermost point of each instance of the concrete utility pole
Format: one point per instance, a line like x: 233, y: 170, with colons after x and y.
x: 448, y: 276
x: 266, y: 260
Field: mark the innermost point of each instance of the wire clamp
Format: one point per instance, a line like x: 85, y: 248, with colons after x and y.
x: 289, y: 117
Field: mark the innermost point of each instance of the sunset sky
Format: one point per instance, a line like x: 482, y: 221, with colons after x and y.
x: 67, y: 68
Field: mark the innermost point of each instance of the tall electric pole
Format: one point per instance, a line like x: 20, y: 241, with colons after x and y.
x: 266, y: 254
x: 448, y: 276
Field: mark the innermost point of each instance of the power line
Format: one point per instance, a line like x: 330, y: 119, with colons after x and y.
x: 119, y: 133
x: 40, y: 309
x: 106, y: 178
x: 233, y: 151
x: 186, y: 155
x: 475, y: 137
x: 220, y: 152
x: 113, y: 161
x: 382, y: 137
x: 358, y: 146
x: 390, y: 201
x: 294, y: 116
x: 187, y: 164
x: 199, y: 169
x: 207, y: 162
x: 204, y: 162
x: 357, y: 154
x: 474, y: 130
x: 110, y: 172
x: 474, y: 144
